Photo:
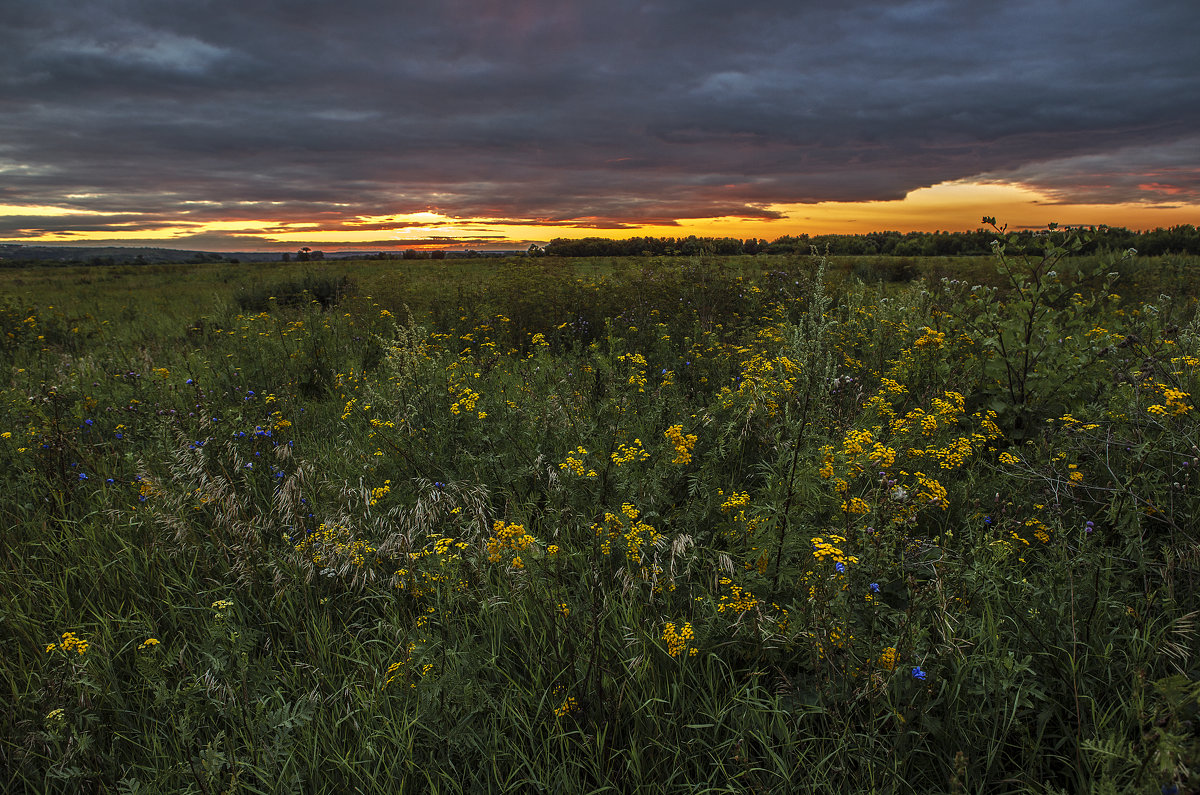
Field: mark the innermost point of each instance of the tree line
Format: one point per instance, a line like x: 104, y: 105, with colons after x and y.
x: 1183, y: 239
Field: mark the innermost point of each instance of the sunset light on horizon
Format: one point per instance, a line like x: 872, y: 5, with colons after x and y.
x: 375, y: 126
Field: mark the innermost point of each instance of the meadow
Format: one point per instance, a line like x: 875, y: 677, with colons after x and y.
x: 706, y: 525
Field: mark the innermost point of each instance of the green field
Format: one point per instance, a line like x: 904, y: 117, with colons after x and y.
x: 739, y: 524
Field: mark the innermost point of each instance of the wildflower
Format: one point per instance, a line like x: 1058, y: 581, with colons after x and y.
x: 148, y: 643
x: 918, y: 673
x: 68, y: 643
x: 874, y: 587
x: 574, y: 464
x: 678, y: 639
x: 683, y: 444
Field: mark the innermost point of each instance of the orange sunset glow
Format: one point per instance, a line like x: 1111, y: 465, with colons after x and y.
x: 956, y: 206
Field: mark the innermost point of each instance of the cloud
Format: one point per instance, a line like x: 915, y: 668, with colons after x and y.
x: 1166, y: 174
x: 593, y: 114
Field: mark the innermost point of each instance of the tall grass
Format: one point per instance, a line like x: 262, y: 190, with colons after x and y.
x: 694, y: 527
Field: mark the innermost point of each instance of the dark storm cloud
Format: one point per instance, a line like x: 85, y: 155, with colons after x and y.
x: 595, y: 114
x: 1151, y: 175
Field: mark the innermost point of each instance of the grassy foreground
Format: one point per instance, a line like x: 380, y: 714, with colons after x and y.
x: 610, y: 527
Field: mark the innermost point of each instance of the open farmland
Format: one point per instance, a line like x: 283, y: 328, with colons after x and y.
x: 749, y: 525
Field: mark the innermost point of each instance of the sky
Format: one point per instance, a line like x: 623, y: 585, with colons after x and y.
x: 390, y: 124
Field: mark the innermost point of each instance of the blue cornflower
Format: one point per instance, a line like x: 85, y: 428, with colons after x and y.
x: 108, y: 480
x: 918, y: 673
x: 189, y: 382
x: 87, y: 422
x: 83, y: 476
x: 841, y: 567
x: 874, y: 587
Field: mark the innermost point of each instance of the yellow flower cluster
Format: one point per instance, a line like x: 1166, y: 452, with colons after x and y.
x: 632, y: 452
x: 432, y: 565
x: 738, y: 600
x: 832, y: 549
x: 930, y: 338
x: 1175, y: 403
x: 637, y: 370
x: 638, y: 534
x: 857, y: 506
x: 735, y: 505
x: 856, y: 442
x: 613, y: 528
x: 679, y: 639
x: 70, y: 642
x: 574, y: 464
x: 568, y: 706
x: 1040, y: 531
x: 148, y: 643
x: 465, y: 400
x: 1072, y: 425
x: 954, y: 454
x: 887, y: 659
x: 380, y: 492
x: 837, y: 640
x: 683, y: 444
x: 1009, y: 459
x: 332, y: 542
x: 932, y: 492
x: 736, y: 500
x: 765, y: 379
x: 396, y: 669
x: 508, y: 538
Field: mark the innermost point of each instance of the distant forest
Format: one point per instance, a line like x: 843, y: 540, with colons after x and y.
x: 1184, y: 239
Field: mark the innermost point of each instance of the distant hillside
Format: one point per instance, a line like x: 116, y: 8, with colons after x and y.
x: 15, y: 254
